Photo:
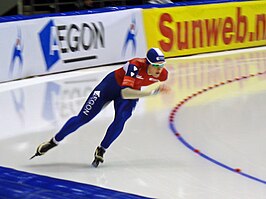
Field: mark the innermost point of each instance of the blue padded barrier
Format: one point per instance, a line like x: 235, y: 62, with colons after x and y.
x: 17, y: 184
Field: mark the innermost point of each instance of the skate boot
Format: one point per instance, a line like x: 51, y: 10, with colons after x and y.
x: 98, y: 156
x: 44, y: 147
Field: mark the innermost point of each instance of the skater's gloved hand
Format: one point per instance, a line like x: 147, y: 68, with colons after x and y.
x: 164, y: 89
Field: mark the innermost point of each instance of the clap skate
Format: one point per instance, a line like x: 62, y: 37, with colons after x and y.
x: 98, y: 156
x: 44, y: 147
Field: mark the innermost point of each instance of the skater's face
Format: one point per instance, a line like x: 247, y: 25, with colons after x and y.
x: 156, y: 69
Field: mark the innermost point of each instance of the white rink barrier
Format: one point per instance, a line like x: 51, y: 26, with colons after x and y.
x: 53, y: 44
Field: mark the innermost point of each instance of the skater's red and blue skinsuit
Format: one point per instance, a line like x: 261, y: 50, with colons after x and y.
x: 133, y: 75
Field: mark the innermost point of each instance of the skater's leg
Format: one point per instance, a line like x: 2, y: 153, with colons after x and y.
x: 91, y: 108
x: 72, y: 124
x: 123, y: 111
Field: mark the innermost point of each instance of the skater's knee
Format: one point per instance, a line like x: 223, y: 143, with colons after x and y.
x: 127, y: 115
x: 124, y: 116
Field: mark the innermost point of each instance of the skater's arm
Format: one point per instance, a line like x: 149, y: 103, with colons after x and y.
x: 129, y: 93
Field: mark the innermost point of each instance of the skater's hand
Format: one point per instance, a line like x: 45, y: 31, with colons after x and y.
x: 164, y: 89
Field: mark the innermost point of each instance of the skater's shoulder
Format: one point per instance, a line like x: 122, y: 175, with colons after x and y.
x: 138, y: 61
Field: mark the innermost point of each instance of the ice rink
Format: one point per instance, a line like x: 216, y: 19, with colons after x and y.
x: 205, y: 140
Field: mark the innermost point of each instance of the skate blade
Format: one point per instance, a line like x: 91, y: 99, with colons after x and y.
x: 36, y: 154
x: 33, y: 156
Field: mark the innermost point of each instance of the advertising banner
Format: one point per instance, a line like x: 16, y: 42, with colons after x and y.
x: 54, y: 44
x: 187, y: 30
